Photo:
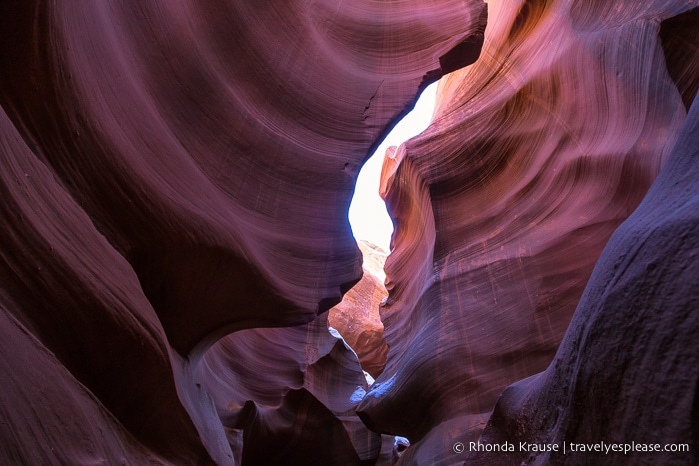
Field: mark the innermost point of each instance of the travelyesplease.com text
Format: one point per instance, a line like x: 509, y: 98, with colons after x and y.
x: 573, y: 447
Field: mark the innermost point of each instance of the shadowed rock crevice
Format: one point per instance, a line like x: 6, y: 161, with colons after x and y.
x: 295, y: 426
x: 465, y: 52
x: 680, y: 41
x: 280, y: 386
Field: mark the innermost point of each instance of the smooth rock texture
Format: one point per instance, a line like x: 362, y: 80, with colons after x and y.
x: 536, y: 153
x: 174, y: 184
x: 172, y: 173
x: 628, y: 368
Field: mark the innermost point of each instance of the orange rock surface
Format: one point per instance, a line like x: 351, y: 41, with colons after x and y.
x: 357, y: 316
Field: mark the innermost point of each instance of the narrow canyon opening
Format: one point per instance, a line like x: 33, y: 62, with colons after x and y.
x: 367, y: 213
x: 357, y: 317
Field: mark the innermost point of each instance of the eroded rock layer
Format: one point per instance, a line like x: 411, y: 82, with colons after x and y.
x: 627, y: 371
x: 173, y: 172
x: 536, y: 153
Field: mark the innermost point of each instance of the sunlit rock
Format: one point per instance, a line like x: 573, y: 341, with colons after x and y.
x: 357, y: 316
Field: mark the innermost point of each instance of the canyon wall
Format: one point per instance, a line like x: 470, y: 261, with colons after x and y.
x: 177, y: 172
x: 627, y: 371
x: 535, y: 155
x: 175, y: 179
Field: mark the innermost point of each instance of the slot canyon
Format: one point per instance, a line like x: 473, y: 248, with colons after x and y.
x: 179, y: 283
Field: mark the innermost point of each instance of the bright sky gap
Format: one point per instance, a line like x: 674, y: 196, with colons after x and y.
x: 367, y: 212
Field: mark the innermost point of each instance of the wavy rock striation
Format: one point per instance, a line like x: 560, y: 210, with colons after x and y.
x: 175, y: 178
x: 173, y: 172
x: 639, y: 311
x: 535, y: 155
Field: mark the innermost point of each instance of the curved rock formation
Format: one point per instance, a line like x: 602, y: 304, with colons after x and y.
x: 627, y: 371
x: 286, y: 391
x: 175, y: 179
x: 173, y: 172
x: 536, y: 153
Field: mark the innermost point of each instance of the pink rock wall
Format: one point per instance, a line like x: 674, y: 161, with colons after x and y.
x: 173, y: 172
x: 535, y: 155
x: 627, y: 370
